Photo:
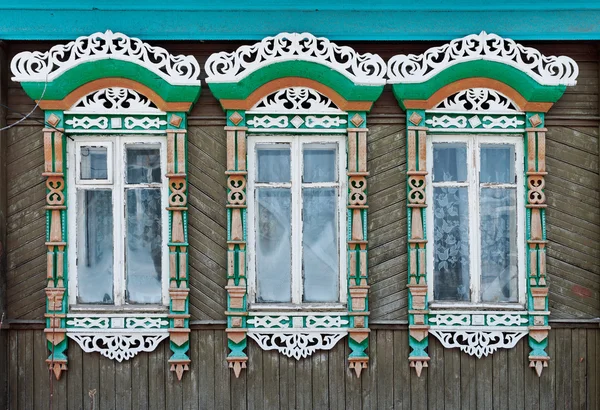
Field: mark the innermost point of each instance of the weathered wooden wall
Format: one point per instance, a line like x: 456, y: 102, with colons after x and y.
x: 454, y: 380
x: 3, y: 204
x: 502, y: 381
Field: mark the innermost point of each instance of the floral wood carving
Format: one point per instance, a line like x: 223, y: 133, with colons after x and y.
x: 477, y: 99
x: 478, y: 342
x: 38, y: 66
x: 297, y: 344
x: 296, y: 99
x: 366, y: 69
x: 118, y: 347
x: 115, y: 100
x: 545, y: 70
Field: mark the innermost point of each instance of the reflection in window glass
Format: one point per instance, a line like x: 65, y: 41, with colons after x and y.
x: 449, y: 162
x: 497, y: 163
x: 144, y: 245
x: 95, y: 246
x: 94, y: 162
x: 143, y: 165
x: 451, y: 244
x: 320, y: 245
x: 273, y: 244
x: 499, y: 270
x: 273, y: 163
x: 319, y: 163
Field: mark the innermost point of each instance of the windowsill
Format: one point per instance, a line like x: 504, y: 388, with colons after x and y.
x: 125, y: 309
x: 305, y: 308
x: 475, y: 306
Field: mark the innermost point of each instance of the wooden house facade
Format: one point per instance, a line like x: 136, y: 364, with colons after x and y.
x: 164, y: 242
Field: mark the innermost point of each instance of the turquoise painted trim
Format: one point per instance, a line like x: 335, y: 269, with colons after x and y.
x: 525, y: 85
x: 240, y: 90
x: 349, y: 20
x: 101, y: 69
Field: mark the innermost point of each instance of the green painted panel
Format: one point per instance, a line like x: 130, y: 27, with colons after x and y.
x: 530, y: 89
x: 94, y: 70
x: 304, y: 69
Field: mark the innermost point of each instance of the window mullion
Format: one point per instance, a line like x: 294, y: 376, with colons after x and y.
x: 475, y: 224
x: 119, y: 232
x: 296, y: 159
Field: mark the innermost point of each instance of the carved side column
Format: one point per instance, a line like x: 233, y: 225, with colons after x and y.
x: 536, y: 241
x: 179, y: 316
x: 56, y: 242
x: 358, y: 288
x: 417, y: 275
x: 236, y: 244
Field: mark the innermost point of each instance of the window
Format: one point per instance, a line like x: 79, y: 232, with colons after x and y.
x: 297, y: 200
x: 118, y: 190
x: 475, y: 222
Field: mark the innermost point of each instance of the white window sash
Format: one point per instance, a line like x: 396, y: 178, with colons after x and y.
x: 296, y: 185
x: 116, y: 168
x: 473, y: 143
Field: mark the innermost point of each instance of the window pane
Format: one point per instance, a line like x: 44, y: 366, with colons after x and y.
x: 273, y: 163
x: 143, y: 245
x: 320, y: 258
x: 319, y: 163
x: 497, y: 163
x: 143, y: 165
x: 93, y: 162
x: 499, y: 271
x: 451, y: 244
x: 273, y: 244
x: 449, y: 162
x: 95, y: 246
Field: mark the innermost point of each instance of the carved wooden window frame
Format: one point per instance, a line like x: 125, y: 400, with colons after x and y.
x: 129, y: 88
x: 250, y: 84
x: 295, y: 143
x: 428, y: 87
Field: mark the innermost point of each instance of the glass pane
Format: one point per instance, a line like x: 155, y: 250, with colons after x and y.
x: 95, y: 246
x: 497, y: 163
x: 94, y: 162
x: 273, y: 163
x: 451, y: 244
x: 273, y: 244
x: 143, y: 165
x: 320, y: 259
x: 499, y: 270
x: 143, y: 245
x: 449, y: 162
x: 319, y: 163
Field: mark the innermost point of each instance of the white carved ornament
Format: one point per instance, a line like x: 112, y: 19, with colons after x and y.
x: 296, y: 100
x: 114, y: 100
x: 364, y: 69
x: 287, y: 335
x: 477, y: 99
x: 478, y: 342
x: 487, y: 122
x: 297, y: 344
x: 118, y: 346
x: 39, y: 66
x: 546, y: 70
x: 478, y: 318
x: 86, y: 122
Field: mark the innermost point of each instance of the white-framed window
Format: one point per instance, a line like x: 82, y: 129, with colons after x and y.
x: 475, y: 221
x: 118, y: 223
x: 297, y: 220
